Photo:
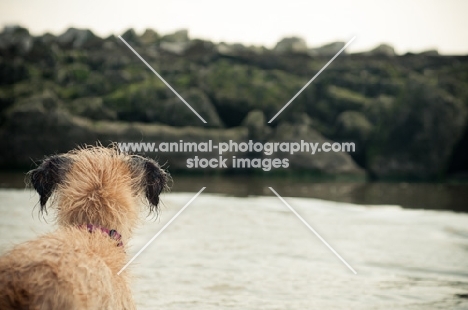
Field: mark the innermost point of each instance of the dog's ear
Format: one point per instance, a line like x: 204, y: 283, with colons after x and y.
x: 153, y: 178
x: 47, y: 176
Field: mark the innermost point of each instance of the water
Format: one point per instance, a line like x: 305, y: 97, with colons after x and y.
x: 253, y: 253
x: 434, y: 196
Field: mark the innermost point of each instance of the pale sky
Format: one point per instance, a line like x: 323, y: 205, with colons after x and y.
x: 408, y: 25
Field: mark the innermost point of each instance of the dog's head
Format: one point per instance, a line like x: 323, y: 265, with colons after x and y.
x: 98, y: 185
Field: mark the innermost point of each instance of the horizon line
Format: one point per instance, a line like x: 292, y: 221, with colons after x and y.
x: 140, y: 32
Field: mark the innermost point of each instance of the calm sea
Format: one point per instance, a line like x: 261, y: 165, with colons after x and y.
x: 239, y: 247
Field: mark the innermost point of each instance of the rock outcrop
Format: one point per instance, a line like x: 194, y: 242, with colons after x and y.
x: 78, y: 38
x: 291, y: 45
x: 407, y: 114
x: 41, y: 125
x: 383, y: 50
x: 418, y: 135
x: 327, y: 50
x: 327, y: 163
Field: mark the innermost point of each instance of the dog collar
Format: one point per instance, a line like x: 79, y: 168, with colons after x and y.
x: 112, y: 233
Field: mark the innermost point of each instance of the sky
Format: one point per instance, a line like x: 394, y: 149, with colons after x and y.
x: 409, y: 26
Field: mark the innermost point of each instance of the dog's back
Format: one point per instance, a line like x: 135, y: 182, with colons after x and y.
x: 67, y: 269
x: 96, y: 199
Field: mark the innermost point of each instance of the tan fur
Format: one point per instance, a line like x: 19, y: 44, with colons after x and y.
x: 72, y: 268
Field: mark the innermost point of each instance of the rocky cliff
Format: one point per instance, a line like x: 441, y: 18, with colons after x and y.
x: 407, y: 114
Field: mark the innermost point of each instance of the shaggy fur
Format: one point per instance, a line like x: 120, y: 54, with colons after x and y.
x: 72, y: 268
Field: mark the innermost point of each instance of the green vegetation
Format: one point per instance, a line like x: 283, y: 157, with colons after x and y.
x: 407, y: 114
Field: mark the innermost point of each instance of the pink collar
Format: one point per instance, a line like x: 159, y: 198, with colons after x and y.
x: 112, y: 233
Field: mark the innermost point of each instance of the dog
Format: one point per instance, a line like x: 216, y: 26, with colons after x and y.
x: 96, y: 193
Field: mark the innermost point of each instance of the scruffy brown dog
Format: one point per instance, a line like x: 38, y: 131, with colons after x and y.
x: 97, y: 192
